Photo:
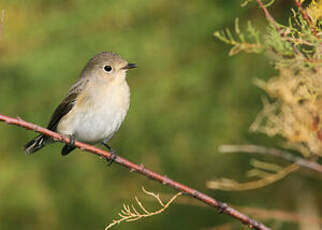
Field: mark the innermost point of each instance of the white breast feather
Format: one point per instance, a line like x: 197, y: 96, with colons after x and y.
x: 99, y: 116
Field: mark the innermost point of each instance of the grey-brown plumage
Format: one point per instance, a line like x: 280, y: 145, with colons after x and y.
x: 95, y: 105
x: 42, y: 140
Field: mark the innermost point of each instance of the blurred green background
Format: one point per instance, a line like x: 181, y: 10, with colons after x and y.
x: 188, y: 97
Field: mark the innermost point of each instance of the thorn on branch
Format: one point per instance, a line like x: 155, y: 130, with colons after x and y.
x: 222, y: 207
x: 166, y: 180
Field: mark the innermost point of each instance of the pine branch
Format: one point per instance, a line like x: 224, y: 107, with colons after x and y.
x: 222, y: 207
x: 306, y: 18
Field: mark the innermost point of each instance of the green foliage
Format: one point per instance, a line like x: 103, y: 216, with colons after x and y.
x: 298, y: 38
x: 252, y: 45
x: 296, y: 52
x: 294, y: 109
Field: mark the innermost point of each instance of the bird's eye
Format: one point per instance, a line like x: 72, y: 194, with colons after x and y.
x: 108, y: 68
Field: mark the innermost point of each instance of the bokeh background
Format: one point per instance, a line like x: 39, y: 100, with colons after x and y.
x: 188, y: 97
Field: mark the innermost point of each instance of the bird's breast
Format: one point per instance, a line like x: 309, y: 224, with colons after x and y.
x: 98, y: 113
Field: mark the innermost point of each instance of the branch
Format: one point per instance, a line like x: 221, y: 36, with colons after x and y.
x: 222, y: 207
x: 231, y: 185
x: 278, y: 28
x: 274, y: 152
x: 130, y: 213
x: 268, y: 15
x: 282, y: 33
x: 306, y: 18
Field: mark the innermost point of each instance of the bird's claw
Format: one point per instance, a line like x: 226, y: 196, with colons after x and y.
x: 113, y: 155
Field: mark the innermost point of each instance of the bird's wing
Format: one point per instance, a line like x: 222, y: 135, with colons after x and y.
x: 67, y: 104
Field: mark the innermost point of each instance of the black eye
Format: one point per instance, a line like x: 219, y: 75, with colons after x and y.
x: 108, y: 68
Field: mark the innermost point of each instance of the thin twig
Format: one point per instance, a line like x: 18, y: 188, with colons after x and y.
x: 297, y: 41
x: 222, y: 207
x: 130, y: 213
x: 283, y: 34
x: 306, y: 18
x: 274, y: 152
x: 231, y: 185
x: 278, y: 28
x: 268, y: 15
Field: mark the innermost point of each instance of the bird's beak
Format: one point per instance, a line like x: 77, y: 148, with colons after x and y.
x: 129, y: 66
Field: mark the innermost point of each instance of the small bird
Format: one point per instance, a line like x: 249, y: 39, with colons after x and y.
x: 94, y: 107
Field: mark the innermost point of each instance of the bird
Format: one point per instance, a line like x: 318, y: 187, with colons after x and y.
x: 94, y: 107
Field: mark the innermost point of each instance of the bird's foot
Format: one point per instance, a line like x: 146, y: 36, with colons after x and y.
x: 71, y: 141
x: 113, y: 154
x: 69, y: 147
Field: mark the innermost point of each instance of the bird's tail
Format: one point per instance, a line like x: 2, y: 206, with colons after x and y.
x: 35, y: 144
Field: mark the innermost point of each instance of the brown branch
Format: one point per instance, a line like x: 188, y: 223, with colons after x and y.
x: 278, y: 28
x: 222, y: 207
x: 284, y: 34
x: 306, y: 18
x: 268, y: 15
x: 274, y: 152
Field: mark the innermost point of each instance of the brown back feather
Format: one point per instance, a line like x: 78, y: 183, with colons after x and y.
x: 66, y: 105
